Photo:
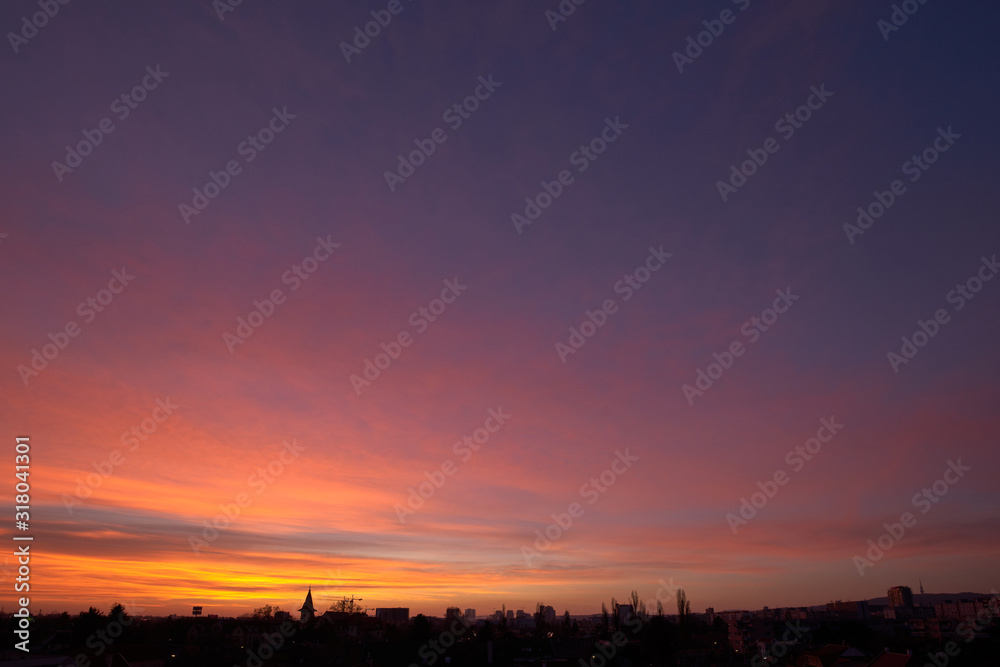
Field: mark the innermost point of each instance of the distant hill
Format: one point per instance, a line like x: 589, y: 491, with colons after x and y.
x: 925, y: 600
x: 931, y: 599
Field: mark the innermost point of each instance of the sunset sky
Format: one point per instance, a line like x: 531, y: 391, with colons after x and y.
x: 627, y: 144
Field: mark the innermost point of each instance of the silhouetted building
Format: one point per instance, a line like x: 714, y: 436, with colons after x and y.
x: 900, y: 596
x: 834, y: 654
x: 393, y: 615
x: 452, y: 614
x: 625, y: 612
x: 963, y: 608
x: 308, y: 611
x: 470, y: 615
x: 904, y: 613
x: 747, y: 632
x: 887, y: 659
x: 549, y: 614
x: 848, y: 611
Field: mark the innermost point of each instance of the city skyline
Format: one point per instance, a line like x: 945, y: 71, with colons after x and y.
x: 323, y: 603
x: 396, y: 615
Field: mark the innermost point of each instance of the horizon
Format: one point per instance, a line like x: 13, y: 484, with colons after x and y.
x: 480, y: 614
x: 499, y: 302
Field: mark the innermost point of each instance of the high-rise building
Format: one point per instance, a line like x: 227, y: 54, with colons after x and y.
x: 470, y: 615
x: 848, y: 611
x: 393, y: 615
x: 900, y: 596
x: 625, y: 612
x: 452, y: 614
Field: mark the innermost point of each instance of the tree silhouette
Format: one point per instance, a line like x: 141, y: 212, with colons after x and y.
x: 89, y: 622
x: 347, y: 605
x: 265, y: 613
x: 421, y: 628
x: 118, y: 612
x: 683, y: 605
x: 638, y: 606
x: 683, y: 612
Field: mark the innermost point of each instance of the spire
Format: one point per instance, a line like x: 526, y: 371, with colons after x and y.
x: 921, y: 585
x: 308, y: 611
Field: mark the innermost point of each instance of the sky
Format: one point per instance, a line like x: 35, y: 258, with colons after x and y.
x: 497, y: 305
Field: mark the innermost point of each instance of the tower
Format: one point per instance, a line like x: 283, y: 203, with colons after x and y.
x: 921, y: 586
x: 308, y: 611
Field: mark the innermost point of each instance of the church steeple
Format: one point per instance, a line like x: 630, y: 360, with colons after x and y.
x: 308, y: 611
